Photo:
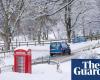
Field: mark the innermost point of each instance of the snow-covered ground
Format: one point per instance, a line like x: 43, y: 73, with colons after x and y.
x: 41, y: 72
x: 44, y: 50
x: 76, y: 46
x: 48, y: 71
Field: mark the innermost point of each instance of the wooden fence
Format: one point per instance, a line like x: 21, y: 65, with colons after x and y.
x: 16, y: 43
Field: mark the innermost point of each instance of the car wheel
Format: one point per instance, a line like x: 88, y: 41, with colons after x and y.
x: 64, y: 51
x: 69, y: 53
x: 51, y: 54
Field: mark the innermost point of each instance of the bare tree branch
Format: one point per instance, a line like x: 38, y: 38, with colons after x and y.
x: 77, y: 17
x: 54, y: 0
x: 61, y: 8
x: 2, y: 7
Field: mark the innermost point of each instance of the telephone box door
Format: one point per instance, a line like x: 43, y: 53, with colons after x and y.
x: 21, y: 64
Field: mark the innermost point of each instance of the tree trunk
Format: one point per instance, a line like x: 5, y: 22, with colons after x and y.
x: 39, y: 37
x: 6, y: 34
x: 45, y: 35
x: 68, y: 21
x: 69, y: 36
x: 7, y: 41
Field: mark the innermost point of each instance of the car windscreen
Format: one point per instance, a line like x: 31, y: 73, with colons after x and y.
x: 65, y: 45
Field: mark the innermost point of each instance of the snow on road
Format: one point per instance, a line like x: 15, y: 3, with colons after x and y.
x: 76, y: 46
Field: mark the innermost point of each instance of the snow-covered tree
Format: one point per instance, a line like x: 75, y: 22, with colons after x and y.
x: 11, y: 10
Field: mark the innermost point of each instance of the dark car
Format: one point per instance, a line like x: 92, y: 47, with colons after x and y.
x: 59, y: 48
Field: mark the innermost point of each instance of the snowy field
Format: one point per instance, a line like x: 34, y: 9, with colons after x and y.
x: 49, y: 71
x: 41, y: 72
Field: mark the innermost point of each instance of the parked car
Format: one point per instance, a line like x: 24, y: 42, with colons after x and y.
x: 59, y: 48
x: 79, y: 39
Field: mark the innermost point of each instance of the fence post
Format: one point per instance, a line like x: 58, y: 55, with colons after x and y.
x: 98, y: 42
x: 35, y: 43
x: 13, y: 68
x: 43, y: 42
x: 16, y: 42
x: 42, y: 59
x: 19, y: 43
x: 34, y: 62
x: 49, y: 60
x: 27, y: 43
x: 0, y: 70
x: 4, y: 55
x: 12, y: 45
x: 2, y: 49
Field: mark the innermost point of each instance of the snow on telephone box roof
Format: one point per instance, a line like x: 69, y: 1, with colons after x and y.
x: 22, y: 50
x: 22, y: 47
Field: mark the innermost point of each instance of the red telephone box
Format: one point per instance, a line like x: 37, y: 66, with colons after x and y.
x: 22, y: 61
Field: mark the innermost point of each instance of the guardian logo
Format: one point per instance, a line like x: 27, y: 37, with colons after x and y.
x: 85, y: 69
